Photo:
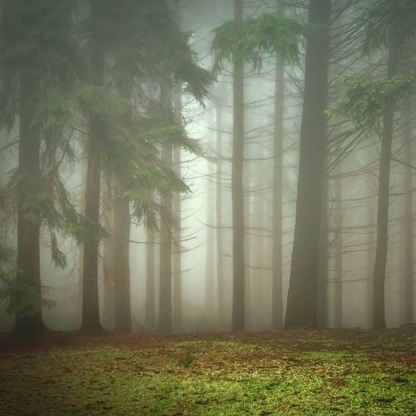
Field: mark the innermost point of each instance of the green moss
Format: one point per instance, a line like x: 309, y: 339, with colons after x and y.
x: 209, y: 377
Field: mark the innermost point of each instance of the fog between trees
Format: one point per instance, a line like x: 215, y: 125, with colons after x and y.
x: 239, y: 165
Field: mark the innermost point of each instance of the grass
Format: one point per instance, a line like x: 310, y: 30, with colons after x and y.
x: 350, y: 372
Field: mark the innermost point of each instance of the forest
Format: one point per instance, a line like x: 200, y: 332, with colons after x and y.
x: 206, y: 166
x: 207, y: 207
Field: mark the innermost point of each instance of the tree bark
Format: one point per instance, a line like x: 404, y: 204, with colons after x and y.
x: 121, y: 246
x: 379, y: 276
x: 90, y: 304
x: 238, y: 310
x: 150, y: 283
x: 277, y: 295
x: 165, y: 289
x: 301, y: 306
x: 408, y: 286
x: 28, y: 215
x: 338, y: 241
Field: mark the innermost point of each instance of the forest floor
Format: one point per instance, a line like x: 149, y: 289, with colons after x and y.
x: 302, y: 372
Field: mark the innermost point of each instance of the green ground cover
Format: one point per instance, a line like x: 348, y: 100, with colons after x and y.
x: 350, y: 372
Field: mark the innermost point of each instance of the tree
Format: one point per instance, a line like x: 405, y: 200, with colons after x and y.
x: 96, y: 133
x: 146, y: 44
x: 39, y: 69
x: 372, y: 104
x: 301, y: 306
x: 238, y: 42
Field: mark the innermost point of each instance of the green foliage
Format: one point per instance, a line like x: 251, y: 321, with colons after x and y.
x: 365, y: 100
x: 285, y: 373
x: 22, y: 295
x: 269, y: 34
x: 380, y: 19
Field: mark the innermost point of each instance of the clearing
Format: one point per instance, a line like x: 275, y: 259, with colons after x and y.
x: 302, y: 372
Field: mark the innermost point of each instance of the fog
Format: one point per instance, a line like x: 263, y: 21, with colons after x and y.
x: 204, y: 251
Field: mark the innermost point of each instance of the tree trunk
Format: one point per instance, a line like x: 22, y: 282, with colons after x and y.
x: 338, y: 266
x: 177, y: 224
x: 28, y: 322
x: 165, y: 289
x: 121, y: 231
x: 219, y: 220
x: 301, y: 306
x: 108, y: 266
x: 150, y: 283
x: 277, y: 295
x: 238, y: 315
x: 379, y: 276
x: 121, y: 246
x: 322, y: 280
x: 408, y: 216
x: 90, y: 305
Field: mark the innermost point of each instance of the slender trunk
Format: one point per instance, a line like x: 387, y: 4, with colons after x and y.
x: 28, y: 322
x: 371, y: 219
x: 379, y: 277
x: 277, y: 295
x: 121, y: 245
x: 108, y: 267
x: 165, y: 289
x: 322, y: 280
x: 121, y: 232
x: 338, y: 267
x: 408, y: 306
x: 177, y: 248
x: 210, y: 256
x: 238, y: 315
x: 90, y: 305
x: 219, y: 221
x: 150, y: 283
x: 301, y: 305
x: 177, y: 224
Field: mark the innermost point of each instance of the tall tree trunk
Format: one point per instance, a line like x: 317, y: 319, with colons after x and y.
x: 277, y: 270
x: 408, y: 284
x: 121, y: 245
x: 177, y: 223
x: 301, y: 305
x: 90, y: 304
x: 165, y: 289
x: 150, y: 325
x: 238, y: 314
x: 371, y: 220
x: 322, y: 280
x: 379, y: 276
x: 219, y: 220
x: 28, y: 322
x: 108, y: 266
x: 338, y: 266
x: 121, y: 231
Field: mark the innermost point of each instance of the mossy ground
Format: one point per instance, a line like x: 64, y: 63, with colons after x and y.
x: 349, y: 372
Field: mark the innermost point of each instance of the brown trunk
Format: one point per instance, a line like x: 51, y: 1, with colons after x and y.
x: 379, y: 277
x: 121, y: 233
x: 177, y: 225
x: 121, y: 245
x: 408, y: 217
x: 238, y: 315
x: 277, y: 295
x: 301, y: 305
x: 322, y: 281
x: 28, y: 223
x: 90, y: 305
x: 338, y: 267
x: 150, y: 283
x: 108, y: 268
x: 165, y: 289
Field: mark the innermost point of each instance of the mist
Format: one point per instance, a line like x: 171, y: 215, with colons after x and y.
x: 267, y: 207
